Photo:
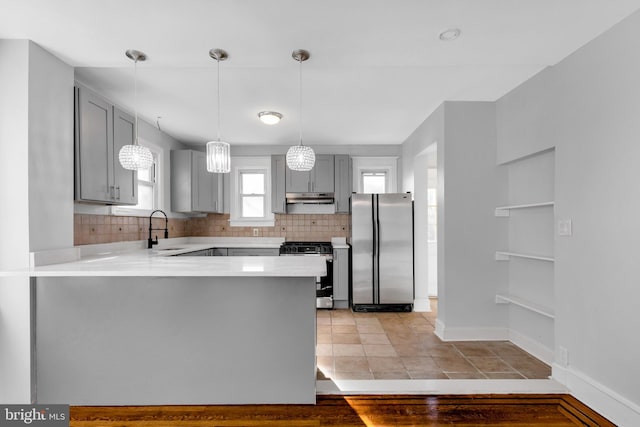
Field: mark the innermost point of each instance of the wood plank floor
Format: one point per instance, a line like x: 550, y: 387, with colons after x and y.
x: 347, y: 411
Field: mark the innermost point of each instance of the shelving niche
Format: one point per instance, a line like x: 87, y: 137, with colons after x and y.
x: 528, y: 216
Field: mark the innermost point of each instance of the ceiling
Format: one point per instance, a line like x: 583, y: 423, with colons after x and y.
x: 377, y: 67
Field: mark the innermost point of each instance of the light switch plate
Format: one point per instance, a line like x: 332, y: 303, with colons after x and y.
x: 564, y: 227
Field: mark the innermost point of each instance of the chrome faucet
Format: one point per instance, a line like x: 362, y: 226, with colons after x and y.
x: 151, y: 241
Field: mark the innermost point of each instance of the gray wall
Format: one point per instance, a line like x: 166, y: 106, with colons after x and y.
x: 587, y: 106
x: 469, y: 236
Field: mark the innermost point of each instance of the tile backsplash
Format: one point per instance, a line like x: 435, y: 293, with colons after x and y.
x: 90, y: 229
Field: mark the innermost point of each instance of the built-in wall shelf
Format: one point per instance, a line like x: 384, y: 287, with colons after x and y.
x: 505, y: 256
x: 505, y: 210
x: 521, y: 302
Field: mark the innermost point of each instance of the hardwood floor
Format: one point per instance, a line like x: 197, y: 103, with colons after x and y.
x: 347, y: 411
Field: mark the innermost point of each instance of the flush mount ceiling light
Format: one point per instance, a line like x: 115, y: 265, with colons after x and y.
x: 300, y: 157
x: 269, y: 117
x: 135, y: 156
x: 450, y: 35
x: 218, y: 152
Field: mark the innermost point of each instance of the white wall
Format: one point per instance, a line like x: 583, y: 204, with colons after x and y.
x: 50, y: 151
x: 587, y: 106
x: 414, y: 179
x: 15, y: 349
x: 36, y: 169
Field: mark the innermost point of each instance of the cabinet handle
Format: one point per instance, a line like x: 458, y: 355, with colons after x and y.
x: 118, y: 193
x: 111, y: 193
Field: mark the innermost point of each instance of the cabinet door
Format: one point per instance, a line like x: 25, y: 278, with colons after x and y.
x: 94, y: 148
x: 343, y: 183
x: 296, y: 181
x: 341, y: 274
x: 278, y: 201
x: 323, y: 174
x: 205, y: 191
x: 125, y: 181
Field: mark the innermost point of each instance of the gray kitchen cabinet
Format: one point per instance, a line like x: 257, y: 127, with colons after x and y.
x: 253, y: 251
x: 193, y: 188
x: 341, y: 277
x: 343, y: 183
x: 126, y: 181
x: 206, y: 252
x: 278, y: 200
x: 100, y: 131
x: 320, y: 179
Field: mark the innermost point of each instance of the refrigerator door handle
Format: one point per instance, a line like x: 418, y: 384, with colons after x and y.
x: 377, y: 275
x: 374, y: 248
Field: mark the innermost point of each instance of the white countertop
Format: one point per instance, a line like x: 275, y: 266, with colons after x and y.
x: 153, y: 265
x: 130, y: 259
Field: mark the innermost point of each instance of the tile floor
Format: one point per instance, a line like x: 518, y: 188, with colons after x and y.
x: 365, y: 346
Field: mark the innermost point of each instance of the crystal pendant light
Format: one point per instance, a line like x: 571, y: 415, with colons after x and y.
x: 300, y: 157
x: 218, y: 152
x: 135, y: 156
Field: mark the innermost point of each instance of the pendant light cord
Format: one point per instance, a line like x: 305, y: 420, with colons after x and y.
x: 300, y: 99
x: 218, y: 60
x: 135, y: 97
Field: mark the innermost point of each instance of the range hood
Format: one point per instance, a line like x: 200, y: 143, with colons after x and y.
x: 309, y: 198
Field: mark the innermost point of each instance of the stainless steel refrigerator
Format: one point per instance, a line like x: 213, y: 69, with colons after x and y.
x: 382, y: 252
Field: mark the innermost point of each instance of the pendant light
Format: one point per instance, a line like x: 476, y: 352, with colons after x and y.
x: 135, y: 156
x: 218, y: 152
x: 300, y: 157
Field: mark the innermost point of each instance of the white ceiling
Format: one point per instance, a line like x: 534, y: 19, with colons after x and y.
x: 377, y: 67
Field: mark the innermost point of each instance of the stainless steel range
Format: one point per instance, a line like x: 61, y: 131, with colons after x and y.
x: 324, y: 285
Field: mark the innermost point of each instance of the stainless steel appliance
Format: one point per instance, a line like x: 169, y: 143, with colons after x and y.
x: 324, y: 284
x: 382, y: 252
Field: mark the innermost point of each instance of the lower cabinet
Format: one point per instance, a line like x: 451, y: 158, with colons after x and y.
x: 253, y: 251
x: 341, y: 277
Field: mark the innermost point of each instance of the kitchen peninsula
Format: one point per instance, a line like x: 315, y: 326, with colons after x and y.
x: 145, y: 328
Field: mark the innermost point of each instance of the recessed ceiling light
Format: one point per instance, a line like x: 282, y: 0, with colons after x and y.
x: 269, y: 117
x: 450, y: 34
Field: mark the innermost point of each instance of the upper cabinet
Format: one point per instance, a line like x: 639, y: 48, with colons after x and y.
x: 343, y: 183
x: 320, y: 179
x: 100, y: 131
x: 278, y: 192
x: 193, y: 188
x: 331, y: 174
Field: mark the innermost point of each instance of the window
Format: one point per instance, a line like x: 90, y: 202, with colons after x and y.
x: 147, y: 189
x: 374, y: 182
x: 375, y: 174
x: 250, y: 192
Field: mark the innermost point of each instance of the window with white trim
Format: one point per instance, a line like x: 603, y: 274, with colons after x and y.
x: 147, y: 188
x: 250, y: 192
x: 374, y: 182
x: 375, y: 174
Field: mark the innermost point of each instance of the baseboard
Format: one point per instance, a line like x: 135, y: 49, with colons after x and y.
x: 532, y: 347
x: 421, y: 305
x: 602, y: 399
x: 495, y: 334
x: 470, y: 334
